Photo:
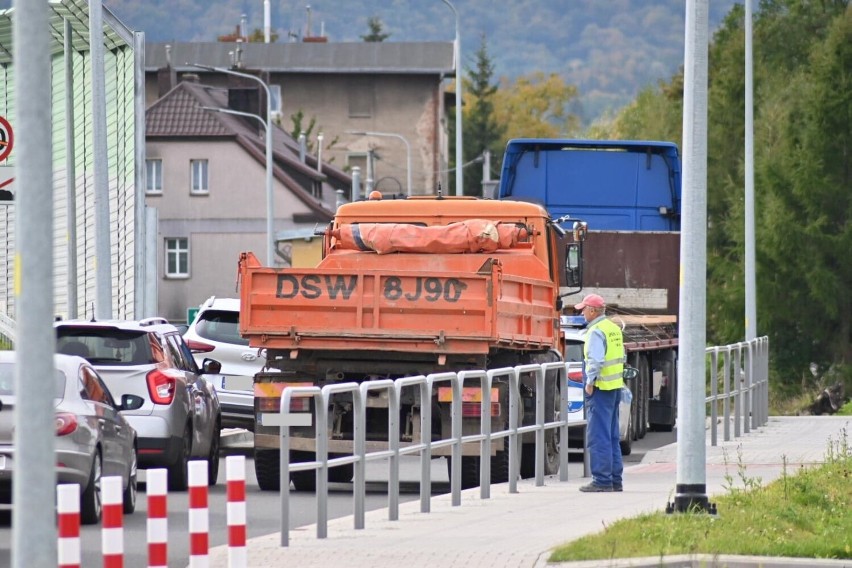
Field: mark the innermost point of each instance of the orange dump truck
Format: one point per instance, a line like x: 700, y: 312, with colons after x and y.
x: 409, y: 287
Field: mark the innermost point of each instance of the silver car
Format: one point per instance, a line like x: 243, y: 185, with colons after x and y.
x: 93, y: 439
x: 215, y: 333
x: 179, y: 418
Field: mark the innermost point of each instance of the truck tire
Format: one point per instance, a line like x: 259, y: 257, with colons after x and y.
x: 644, y: 394
x: 303, y: 480
x: 551, y: 443
x: 470, y: 469
x: 340, y: 473
x: 267, y: 469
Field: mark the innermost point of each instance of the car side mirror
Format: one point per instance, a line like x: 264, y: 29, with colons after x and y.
x: 131, y: 402
x: 630, y: 373
x: 211, y: 367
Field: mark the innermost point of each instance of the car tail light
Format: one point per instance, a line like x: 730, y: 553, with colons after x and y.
x: 66, y: 423
x: 474, y: 409
x: 199, y: 346
x: 161, y: 387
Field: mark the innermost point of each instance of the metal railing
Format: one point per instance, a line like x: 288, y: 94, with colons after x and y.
x: 359, y: 393
x: 739, y: 382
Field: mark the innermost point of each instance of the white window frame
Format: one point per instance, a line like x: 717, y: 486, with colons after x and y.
x: 199, y: 185
x: 154, y: 176
x: 176, y: 248
x: 275, y: 98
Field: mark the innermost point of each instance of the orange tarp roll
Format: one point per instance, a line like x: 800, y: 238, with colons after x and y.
x: 473, y: 235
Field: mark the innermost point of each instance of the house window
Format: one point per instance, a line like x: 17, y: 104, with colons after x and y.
x: 199, y: 179
x: 275, y: 98
x: 154, y: 176
x: 177, y: 257
x: 361, y: 97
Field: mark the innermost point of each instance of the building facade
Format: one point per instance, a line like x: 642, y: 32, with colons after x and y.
x: 74, y: 158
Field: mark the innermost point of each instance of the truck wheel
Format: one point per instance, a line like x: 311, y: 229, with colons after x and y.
x: 340, y: 473
x: 470, y: 469
x: 267, y: 469
x: 303, y: 480
x: 644, y: 395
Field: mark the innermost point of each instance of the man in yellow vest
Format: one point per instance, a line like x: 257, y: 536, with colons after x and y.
x: 603, y: 369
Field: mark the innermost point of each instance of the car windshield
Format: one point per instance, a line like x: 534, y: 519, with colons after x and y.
x: 220, y: 325
x: 7, y: 381
x: 106, y: 346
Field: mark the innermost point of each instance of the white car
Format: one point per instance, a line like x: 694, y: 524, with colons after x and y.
x: 215, y: 333
x: 178, y: 418
x: 573, y: 331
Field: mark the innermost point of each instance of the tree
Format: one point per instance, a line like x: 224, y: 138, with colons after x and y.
x: 298, y: 118
x: 374, y: 23
x: 536, y: 106
x: 481, y: 130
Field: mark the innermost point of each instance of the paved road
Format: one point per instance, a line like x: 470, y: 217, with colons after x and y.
x: 263, y: 508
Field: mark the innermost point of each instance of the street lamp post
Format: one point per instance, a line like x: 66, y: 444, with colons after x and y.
x: 407, y: 151
x: 457, y: 65
x: 270, y: 215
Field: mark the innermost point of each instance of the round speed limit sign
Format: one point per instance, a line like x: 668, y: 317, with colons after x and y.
x: 7, y: 138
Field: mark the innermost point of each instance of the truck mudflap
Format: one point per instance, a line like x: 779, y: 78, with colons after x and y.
x: 360, y: 307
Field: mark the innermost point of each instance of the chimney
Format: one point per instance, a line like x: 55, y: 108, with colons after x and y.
x: 166, y: 76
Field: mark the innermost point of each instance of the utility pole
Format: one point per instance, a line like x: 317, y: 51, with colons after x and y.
x: 34, y: 537
x: 103, y: 248
x: 691, y: 488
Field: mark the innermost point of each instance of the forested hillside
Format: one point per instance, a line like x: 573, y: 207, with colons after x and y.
x: 608, y: 49
x: 803, y: 179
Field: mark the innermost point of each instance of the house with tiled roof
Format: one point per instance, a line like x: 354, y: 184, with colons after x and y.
x: 381, y: 106
x: 206, y: 178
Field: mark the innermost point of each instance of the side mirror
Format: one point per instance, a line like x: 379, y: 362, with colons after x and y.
x: 131, y: 402
x: 211, y: 367
x: 573, y: 265
x: 630, y: 373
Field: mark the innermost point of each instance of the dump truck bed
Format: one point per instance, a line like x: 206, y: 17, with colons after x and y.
x: 371, y: 302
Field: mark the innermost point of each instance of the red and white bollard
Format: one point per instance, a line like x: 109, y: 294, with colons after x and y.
x: 68, y: 507
x: 235, y: 469
x: 112, y: 531
x: 158, y: 522
x: 199, y: 519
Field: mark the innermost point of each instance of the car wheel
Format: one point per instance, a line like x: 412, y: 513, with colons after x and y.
x: 213, y: 458
x: 129, y: 497
x: 179, y: 471
x: 627, y: 443
x: 90, y: 500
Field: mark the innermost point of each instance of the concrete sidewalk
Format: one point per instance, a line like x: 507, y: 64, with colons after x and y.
x: 520, y: 530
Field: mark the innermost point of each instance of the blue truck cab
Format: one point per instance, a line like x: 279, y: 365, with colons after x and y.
x: 614, y: 185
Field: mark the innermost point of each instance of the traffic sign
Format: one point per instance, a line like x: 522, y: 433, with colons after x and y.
x: 7, y: 138
x: 7, y: 176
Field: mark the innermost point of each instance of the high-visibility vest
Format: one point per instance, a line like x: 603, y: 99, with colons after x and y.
x: 611, y: 374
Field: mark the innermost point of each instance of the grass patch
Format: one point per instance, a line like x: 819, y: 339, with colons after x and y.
x: 803, y: 514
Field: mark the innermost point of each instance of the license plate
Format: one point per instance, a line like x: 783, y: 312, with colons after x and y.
x: 2, y: 462
x: 238, y: 383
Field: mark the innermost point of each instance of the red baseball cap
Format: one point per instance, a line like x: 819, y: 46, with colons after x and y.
x: 592, y: 301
